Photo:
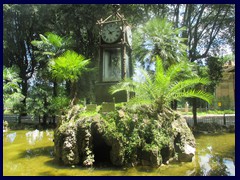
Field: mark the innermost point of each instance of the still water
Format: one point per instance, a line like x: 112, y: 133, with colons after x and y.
x: 30, y: 153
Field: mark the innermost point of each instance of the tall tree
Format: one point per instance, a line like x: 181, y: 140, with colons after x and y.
x: 69, y: 66
x: 158, y: 37
x: 48, y: 47
x: 12, y: 95
x: 205, y: 24
x: 215, y: 68
x: 20, y: 25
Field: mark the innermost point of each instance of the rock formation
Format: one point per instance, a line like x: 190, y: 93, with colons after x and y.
x: 123, y: 138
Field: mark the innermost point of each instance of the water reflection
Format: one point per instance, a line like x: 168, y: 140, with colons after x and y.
x: 230, y: 166
x: 49, y: 134
x: 33, y: 136
x: 11, y: 137
x: 31, y: 153
x: 204, y: 164
x: 215, y: 165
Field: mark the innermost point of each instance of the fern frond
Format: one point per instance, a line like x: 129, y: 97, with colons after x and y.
x: 125, y: 85
x: 54, y: 39
x: 193, y: 93
x: 184, y: 84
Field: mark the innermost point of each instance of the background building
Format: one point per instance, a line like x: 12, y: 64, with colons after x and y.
x: 225, y: 91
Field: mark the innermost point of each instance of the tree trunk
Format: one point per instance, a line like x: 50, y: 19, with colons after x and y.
x: 19, y: 119
x: 54, y: 95
x: 45, y: 119
x: 68, y: 88
x: 24, y: 92
x: 45, y: 114
x: 54, y: 119
x: 177, y: 15
x: 54, y: 88
x: 174, y: 104
x: 74, y: 93
x: 194, y: 110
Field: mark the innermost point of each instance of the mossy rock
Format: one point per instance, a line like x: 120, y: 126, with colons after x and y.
x: 124, y: 137
x: 151, y: 157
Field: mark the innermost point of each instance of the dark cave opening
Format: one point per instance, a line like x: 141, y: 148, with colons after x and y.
x: 101, y: 151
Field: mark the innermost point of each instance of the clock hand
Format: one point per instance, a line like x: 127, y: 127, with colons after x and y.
x: 110, y: 32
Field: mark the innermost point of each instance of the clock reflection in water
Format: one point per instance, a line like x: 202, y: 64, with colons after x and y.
x: 112, y: 64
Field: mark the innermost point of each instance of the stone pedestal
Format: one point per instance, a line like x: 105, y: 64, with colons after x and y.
x: 102, y: 94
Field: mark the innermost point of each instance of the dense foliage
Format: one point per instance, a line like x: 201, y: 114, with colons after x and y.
x: 12, y: 95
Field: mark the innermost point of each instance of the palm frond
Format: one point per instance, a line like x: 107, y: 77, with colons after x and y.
x: 48, y: 53
x: 159, y: 74
x: 161, y: 33
x: 69, y: 66
x: 54, y: 39
x: 174, y: 70
x: 125, y: 85
x: 188, y: 83
x: 138, y: 101
x: 37, y: 43
x: 193, y: 93
x: 44, y: 39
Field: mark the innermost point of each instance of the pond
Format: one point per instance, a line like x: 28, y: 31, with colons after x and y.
x: 30, y: 153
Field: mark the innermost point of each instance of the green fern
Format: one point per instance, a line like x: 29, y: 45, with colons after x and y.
x: 69, y: 66
x: 163, y: 87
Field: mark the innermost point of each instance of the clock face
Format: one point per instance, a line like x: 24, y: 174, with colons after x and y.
x: 111, y: 33
x: 129, y: 35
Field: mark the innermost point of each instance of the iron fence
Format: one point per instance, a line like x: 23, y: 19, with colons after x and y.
x: 225, y: 119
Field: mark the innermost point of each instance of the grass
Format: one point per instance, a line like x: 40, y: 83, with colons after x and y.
x: 88, y: 113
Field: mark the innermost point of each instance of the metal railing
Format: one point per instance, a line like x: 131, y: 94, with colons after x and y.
x: 24, y: 119
x: 225, y: 119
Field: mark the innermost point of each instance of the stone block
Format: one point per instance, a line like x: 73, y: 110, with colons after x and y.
x: 91, y: 107
x: 102, y: 94
x: 108, y: 107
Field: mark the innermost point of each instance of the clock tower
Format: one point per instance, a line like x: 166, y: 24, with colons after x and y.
x: 115, y: 63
